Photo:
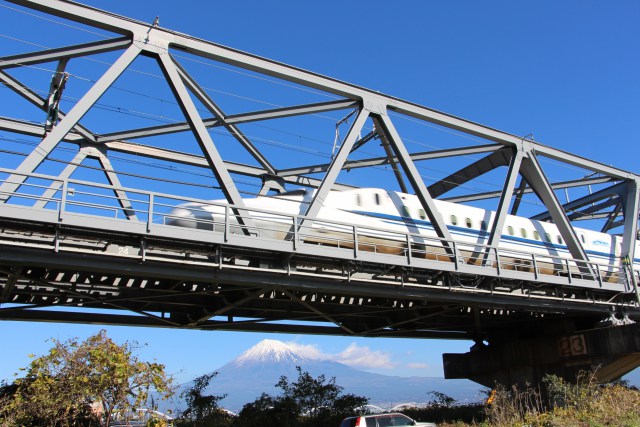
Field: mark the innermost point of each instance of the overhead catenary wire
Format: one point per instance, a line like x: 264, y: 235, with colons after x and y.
x: 279, y: 144
x: 225, y: 68
x: 265, y: 141
x: 223, y: 92
x: 106, y: 36
x: 247, y: 74
x: 44, y: 18
x: 124, y: 173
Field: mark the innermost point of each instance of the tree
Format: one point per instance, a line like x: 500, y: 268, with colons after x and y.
x: 268, y: 411
x: 441, y: 400
x: 81, y: 379
x: 308, y: 401
x: 202, y: 410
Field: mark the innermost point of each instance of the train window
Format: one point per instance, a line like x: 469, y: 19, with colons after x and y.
x: 358, y: 200
x: 405, y: 211
x: 559, y: 239
x: 454, y: 220
x: 510, y: 230
x: 536, y: 235
x: 523, y: 233
x: 547, y: 237
x: 468, y: 222
x: 422, y: 214
x: 483, y: 225
x: 377, y: 198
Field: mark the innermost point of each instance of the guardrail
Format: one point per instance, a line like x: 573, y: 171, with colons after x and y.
x: 150, y: 210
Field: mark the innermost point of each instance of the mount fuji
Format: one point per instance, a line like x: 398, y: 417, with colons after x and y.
x: 258, y: 369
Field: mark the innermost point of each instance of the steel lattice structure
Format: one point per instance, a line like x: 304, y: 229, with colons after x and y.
x: 176, y: 278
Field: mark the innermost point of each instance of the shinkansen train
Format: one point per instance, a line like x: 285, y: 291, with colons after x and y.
x: 384, y: 219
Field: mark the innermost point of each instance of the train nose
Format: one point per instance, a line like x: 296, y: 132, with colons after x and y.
x: 181, y: 217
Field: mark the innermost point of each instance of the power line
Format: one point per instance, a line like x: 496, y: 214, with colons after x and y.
x: 261, y: 140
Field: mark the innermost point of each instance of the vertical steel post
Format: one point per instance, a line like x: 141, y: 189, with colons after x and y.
x: 150, y: 212
x: 63, y: 199
x: 355, y: 241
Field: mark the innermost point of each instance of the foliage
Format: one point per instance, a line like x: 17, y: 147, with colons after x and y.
x: 308, y: 401
x: 513, y: 405
x: 555, y: 403
x: 443, y: 409
x: 268, y: 411
x: 441, y: 400
x: 562, y: 404
x: 77, y: 380
x: 202, y: 410
x: 455, y: 413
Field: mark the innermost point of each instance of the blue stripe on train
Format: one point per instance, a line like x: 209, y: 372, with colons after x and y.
x: 470, y: 232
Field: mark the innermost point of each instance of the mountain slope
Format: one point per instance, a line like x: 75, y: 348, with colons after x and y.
x: 258, y: 369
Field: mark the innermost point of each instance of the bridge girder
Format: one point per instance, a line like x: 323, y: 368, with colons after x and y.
x: 520, y: 156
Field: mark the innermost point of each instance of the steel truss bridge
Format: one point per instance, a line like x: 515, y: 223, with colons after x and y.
x: 85, y: 237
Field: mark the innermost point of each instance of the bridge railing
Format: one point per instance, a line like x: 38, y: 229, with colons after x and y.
x: 150, y: 210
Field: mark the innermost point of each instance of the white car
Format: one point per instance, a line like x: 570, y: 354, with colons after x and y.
x: 382, y: 420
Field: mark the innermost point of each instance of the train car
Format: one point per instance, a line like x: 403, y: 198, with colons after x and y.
x: 383, y: 220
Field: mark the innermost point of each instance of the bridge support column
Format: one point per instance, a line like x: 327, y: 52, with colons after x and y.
x: 615, y: 349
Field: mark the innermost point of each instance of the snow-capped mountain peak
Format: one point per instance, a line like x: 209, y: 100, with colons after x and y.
x: 269, y: 351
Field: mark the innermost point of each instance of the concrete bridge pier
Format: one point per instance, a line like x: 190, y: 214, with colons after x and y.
x: 614, y: 349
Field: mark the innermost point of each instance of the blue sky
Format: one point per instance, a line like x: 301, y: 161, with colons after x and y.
x: 566, y: 72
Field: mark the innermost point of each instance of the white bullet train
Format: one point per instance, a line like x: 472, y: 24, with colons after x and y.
x: 384, y: 218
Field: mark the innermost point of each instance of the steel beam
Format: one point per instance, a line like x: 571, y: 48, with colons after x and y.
x: 55, y: 186
x: 82, y: 262
x: 144, y: 321
x: 534, y: 175
x: 231, y: 120
x: 615, y: 190
x: 611, y: 218
x: 556, y: 186
x: 519, y: 194
x: 38, y: 155
x: 209, y: 150
x: 64, y: 52
x: 27, y: 128
x: 384, y: 125
x: 486, y: 164
x: 12, y: 279
x: 379, y: 161
x: 362, y: 141
x: 336, y: 166
x: 39, y: 102
x: 392, y: 161
x: 295, y: 110
x: 193, y: 160
x: 120, y: 194
x: 153, y: 36
x: 318, y: 312
x: 90, y: 297
x: 234, y: 119
x: 630, y: 205
x: 500, y: 217
x: 583, y: 162
x: 270, y: 182
x: 203, y: 315
x: 156, y: 42
x: 135, y: 149
x: 594, y: 211
x: 206, y: 100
